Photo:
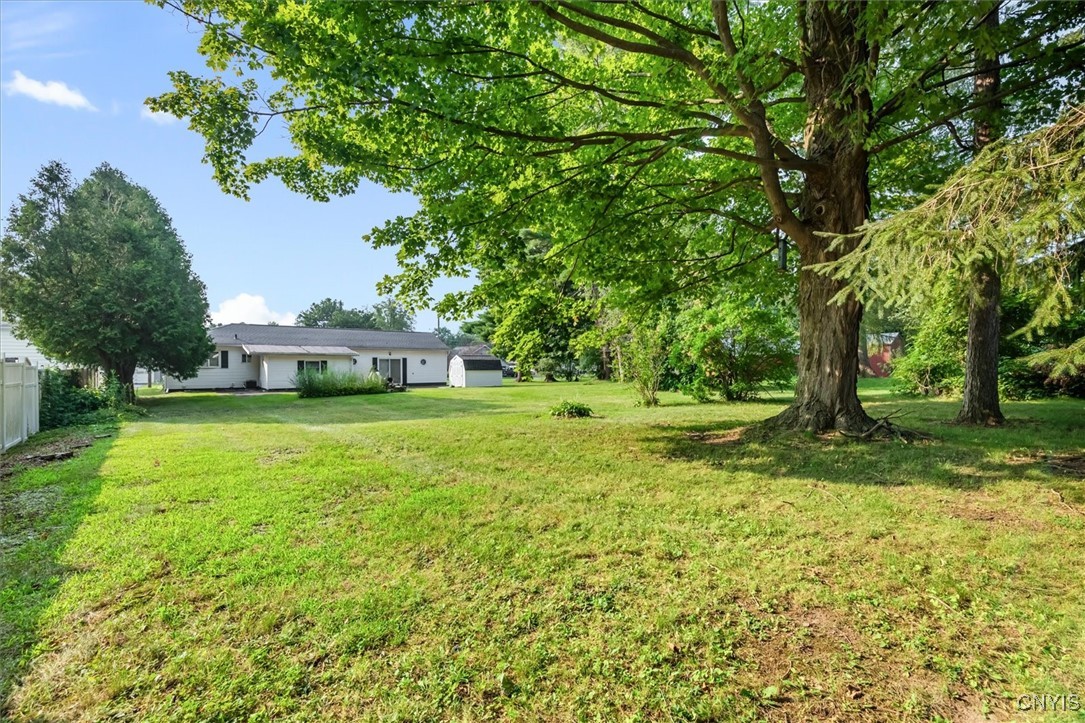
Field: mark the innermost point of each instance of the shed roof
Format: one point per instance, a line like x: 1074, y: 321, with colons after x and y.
x: 297, y: 350
x: 475, y: 363
x: 355, y: 339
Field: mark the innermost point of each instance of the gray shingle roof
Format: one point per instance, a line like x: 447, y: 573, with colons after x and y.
x: 357, y: 339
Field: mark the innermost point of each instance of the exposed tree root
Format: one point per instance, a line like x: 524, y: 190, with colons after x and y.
x: 883, y: 428
x: 853, y: 423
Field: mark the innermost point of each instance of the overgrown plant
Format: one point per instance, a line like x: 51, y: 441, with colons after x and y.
x: 735, y: 343
x: 332, y: 383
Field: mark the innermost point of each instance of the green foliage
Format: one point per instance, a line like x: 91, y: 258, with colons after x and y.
x: 386, y: 315
x: 96, y: 275
x: 570, y: 410
x: 330, y: 313
x: 646, y: 349
x: 454, y: 339
x: 933, y: 362
x: 391, y: 315
x: 734, y: 344
x: 332, y: 383
x: 482, y: 327
x: 1017, y: 206
x: 63, y: 404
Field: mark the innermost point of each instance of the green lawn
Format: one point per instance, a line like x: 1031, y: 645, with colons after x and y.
x: 459, y: 554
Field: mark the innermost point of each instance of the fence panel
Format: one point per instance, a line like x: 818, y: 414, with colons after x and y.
x: 20, y: 402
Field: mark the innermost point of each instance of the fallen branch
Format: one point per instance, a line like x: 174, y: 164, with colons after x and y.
x: 1064, y: 503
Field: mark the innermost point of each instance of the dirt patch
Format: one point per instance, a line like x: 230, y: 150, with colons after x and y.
x: 812, y: 663
x: 1064, y: 464
x: 25, y: 456
x: 977, y: 511
x: 279, y: 456
x: 727, y: 438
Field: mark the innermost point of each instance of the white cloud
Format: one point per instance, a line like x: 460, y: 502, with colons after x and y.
x: 31, y: 30
x: 250, y: 309
x: 157, y: 116
x: 51, y: 91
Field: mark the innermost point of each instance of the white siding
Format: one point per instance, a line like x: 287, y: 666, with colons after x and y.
x: 232, y: 377
x: 483, y: 378
x: 278, y: 372
x: 434, y: 371
x: 12, y: 346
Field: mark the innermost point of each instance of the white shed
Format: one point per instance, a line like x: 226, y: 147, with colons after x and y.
x: 474, y: 370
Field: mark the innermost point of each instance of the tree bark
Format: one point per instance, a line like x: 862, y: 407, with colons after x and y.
x: 125, y: 371
x: 980, y: 404
x: 835, y: 200
x: 604, y: 363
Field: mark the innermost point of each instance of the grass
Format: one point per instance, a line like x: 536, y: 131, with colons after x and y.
x: 459, y: 554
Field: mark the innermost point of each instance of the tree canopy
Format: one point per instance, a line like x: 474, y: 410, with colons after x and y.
x: 656, y: 142
x: 387, y: 315
x: 1018, y: 205
x: 96, y: 275
x: 331, y: 313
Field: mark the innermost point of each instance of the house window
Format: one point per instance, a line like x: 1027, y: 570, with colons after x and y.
x: 213, y: 362
x: 315, y: 366
x: 246, y: 358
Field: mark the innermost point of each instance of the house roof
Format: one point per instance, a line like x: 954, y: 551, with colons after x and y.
x: 297, y: 350
x: 355, y: 339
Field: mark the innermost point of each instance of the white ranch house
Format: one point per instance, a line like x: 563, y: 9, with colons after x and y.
x: 268, y: 357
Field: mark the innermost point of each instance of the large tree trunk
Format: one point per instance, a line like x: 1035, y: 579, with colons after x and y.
x: 836, y: 201
x: 980, y: 404
x: 124, y: 370
x: 981, y: 360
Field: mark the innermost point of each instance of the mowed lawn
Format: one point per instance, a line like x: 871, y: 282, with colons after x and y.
x: 453, y: 554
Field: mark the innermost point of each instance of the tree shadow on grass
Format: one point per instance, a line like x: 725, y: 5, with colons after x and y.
x: 287, y: 408
x: 40, y: 510
x: 1045, y: 448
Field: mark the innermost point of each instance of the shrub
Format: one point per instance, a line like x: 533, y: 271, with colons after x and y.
x: 331, y: 383
x: 733, y: 347
x: 570, y: 410
x: 647, y: 356
x: 64, y: 404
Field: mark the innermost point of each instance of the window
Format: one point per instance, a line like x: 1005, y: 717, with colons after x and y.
x: 246, y: 358
x: 213, y: 362
x: 315, y: 366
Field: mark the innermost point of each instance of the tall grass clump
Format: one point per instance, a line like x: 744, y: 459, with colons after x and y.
x: 331, y: 383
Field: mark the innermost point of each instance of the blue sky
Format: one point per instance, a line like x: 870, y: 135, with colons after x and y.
x: 74, y: 76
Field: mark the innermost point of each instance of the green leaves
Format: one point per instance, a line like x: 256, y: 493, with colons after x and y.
x: 96, y: 275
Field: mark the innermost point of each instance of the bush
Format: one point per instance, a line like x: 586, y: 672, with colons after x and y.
x: 934, y: 362
x: 570, y: 410
x: 64, y: 404
x: 733, y: 347
x: 330, y: 383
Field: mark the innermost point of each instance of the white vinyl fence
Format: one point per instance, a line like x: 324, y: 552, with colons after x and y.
x: 19, y: 401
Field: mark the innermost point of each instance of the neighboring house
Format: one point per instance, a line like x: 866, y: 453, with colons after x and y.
x: 881, y: 350
x: 14, y: 348
x: 474, y: 370
x: 269, y: 357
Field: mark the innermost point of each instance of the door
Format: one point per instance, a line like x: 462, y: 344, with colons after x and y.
x: 391, y: 368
